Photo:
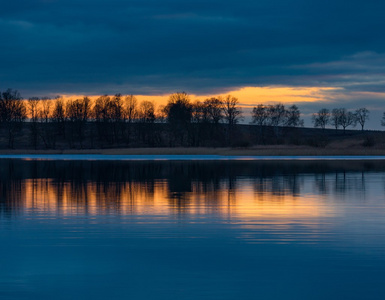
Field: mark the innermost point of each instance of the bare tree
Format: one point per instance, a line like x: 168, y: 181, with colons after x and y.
x: 161, y: 116
x: 362, y: 115
x: 34, y: 112
x: 131, y: 108
x: 178, y: 109
x: 78, y: 113
x: 102, y: 115
x: 118, y: 116
x: 12, y: 113
x: 259, y: 115
x: 293, y: 117
x: 321, y: 118
x: 214, y: 109
x: 47, y: 133
x: 59, y: 116
x: 45, y: 112
x: 347, y: 118
x: 179, y: 114
x: 118, y: 113
x: 179, y: 97
x: 147, y: 112
x: 146, y: 121
x: 233, y: 113
x: 335, y: 117
x: 260, y: 118
x: 131, y: 104
x: 276, y: 115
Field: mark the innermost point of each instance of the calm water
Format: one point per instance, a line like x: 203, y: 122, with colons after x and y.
x: 192, y: 230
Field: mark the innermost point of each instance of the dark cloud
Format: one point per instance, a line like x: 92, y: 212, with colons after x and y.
x: 152, y: 46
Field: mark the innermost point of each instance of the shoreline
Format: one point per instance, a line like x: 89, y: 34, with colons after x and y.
x: 255, y: 153
x: 265, y: 151
x: 103, y: 157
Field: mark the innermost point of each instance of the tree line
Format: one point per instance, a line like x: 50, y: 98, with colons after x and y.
x: 117, y: 121
x: 121, y: 120
x: 340, y: 117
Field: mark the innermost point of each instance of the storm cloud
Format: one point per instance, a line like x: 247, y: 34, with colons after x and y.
x: 152, y: 46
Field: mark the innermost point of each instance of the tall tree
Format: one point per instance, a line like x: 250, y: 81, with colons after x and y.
x: 131, y: 108
x: 260, y: 118
x: 12, y: 113
x: 321, y: 118
x: 179, y: 109
x: 179, y: 114
x: 231, y: 109
x: 45, y: 112
x: 102, y: 115
x: 78, y: 113
x: 33, y: 112
x: 276, y: 115
x: 118, y: 116
x: 147, y: 112
x: 214, y: 109
x: 293, y: 117
x: 362, y: 115
x: 59, y: 116
x: 232, y: 115
x: 147, y: 118
x: 259, y: 115
x: 131, y: 104
x: 347, y: 118
x: 335, y: 117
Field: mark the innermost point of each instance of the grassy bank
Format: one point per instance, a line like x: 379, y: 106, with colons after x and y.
x: 351, y: 143
x: 250, y: 151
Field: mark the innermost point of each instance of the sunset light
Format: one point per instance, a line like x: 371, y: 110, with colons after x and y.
x: 192, y: 150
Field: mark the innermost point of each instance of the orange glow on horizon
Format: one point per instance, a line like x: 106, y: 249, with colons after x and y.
x: 290, y: 95
x: 247, y: 96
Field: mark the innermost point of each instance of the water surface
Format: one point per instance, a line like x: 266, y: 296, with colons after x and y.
x: 192, y: 230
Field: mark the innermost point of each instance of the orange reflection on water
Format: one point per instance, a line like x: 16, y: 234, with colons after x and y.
x: 243, y: 202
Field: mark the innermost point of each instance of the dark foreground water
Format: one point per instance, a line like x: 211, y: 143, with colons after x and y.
x: 192, y: 230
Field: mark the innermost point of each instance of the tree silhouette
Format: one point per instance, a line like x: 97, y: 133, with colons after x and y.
x: 102, y: 115
x: 259, y: 115
x: 293, y: 117
x: 146, y: 120
x: 179, y: 114
x: 335, y: 117
x: 232, y: 115
x: 321, y: 118
x: 59, y: 117
x: 78, y: 113
x: 131, y: 113
x: 347, y: 118
x: 34, y: 111
x: 214, y: 109
x: 276, y: 117
x: 362, y: 115
x: 12, y: 113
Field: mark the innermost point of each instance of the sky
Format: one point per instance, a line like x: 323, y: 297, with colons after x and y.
x: 315, y: 53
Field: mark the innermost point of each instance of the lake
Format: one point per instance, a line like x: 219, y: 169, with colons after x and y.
x: 246, y: 229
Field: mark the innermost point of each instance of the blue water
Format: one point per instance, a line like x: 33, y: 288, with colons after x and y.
x: 192, y: 230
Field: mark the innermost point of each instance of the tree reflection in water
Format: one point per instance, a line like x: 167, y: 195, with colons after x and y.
x: 173, y: 187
